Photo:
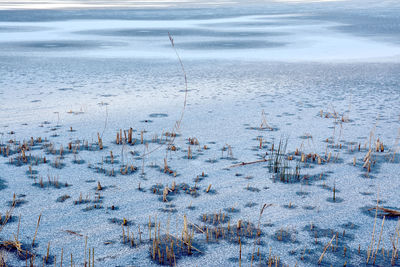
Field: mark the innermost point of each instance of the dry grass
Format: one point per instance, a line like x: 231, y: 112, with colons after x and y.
x: 3, y: 258
x: 167, y: 248
x: 386, y: 212
x: 13, y: 245
x: 7, y: 215
x: 325, y: 249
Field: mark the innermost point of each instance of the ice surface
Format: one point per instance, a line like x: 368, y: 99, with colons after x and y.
x: 308, y: 72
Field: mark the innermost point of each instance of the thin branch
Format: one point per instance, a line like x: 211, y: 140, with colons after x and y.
x: 247, y: 163
x: 177, y: 123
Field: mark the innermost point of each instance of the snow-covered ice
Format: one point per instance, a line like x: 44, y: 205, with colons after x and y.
x: 321, y: 77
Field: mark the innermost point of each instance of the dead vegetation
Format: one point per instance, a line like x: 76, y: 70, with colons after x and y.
x: 14, y: 245
x: 386, y: 212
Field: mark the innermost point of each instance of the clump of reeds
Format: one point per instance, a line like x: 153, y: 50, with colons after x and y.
x: 264, y: 124
x: 58, y: 164
x: 279, y: 164
x: 127, y: 169
x: 111, y: 172
x: 5, y: 151
x: 266, y: 259
x: 126, y: 137
x: 215, y: 218
x: 82, y: 200
x: 167, y: 248
x: 128, y: 237
x: 24, y: 159
x: 217, y: 231
x: 277, y: 157
x: 227, y: 152
x: 174, y: 189
x: 14, y: 245
x: 167, y: 169
x: 368, y: 161
x: 287, y: 234
x: 372, y: 252
x: 52, y: 181
x: 193, y: 141
x: 311, y: 157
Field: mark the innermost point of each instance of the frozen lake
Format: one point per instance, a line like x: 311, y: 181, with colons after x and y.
x: 321, y: 76
x: 43, y: 51
x: 272, y: 32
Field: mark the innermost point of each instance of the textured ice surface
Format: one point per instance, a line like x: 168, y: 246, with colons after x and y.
x: 68, y: 75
